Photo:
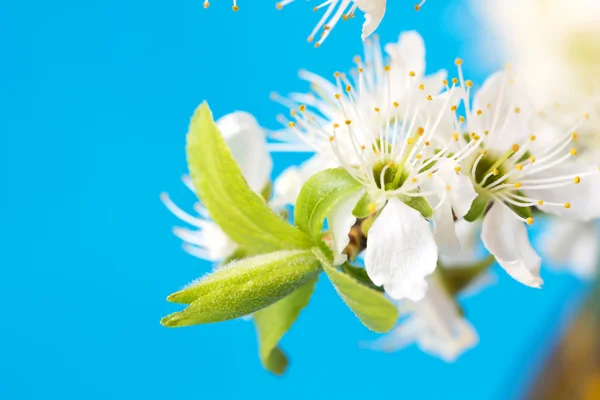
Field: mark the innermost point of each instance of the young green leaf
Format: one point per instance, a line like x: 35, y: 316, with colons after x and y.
x: 243, y: 287
x: 319, y: 195
x: 360, y: 274
x: 274, y: 321
x: 373, y: 309
x: 241, y: 213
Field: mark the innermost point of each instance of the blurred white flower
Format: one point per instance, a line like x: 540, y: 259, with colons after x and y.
x: 512, y: 170
x: 247, y: 142
x: 554, y: 45
x: 572, y: 245
x: 435, y: 324
x: 344, y: 9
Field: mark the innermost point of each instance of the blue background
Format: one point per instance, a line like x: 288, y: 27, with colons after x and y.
x: 95, y: 99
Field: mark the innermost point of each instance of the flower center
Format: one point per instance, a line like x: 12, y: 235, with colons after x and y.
x: 389, y: 176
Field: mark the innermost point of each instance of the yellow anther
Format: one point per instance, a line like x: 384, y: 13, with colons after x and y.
x: 573, y: 152
x: 457, y: 168
x: 386, y: 68
x: 396, y: 104
x: 420, y: 131
x: 409, y: 141
x: 411, y: 73
x: 336, y: 74
x: 461, y: 119
x: 532, y: 138
x: 293, y: 113
x: 488, y: 105
x: 331, y: 138
x: 448, y: 188
x: 453, y: 108
x: 235, y: 8
x: 357, y: 59
x: 429, y: 98
x: 529, y: 221
x: 417, y: 7
x: 371, y: 207
x: 574, y: 135
x: 362, y: 147
x: 532, y: 159
x: 390, y: 164
x: 376, y: 109
x: 348, y: 122
x: 458, y: 61
x: 422, y: 87
x: 479, y: 112
x: 517, y: 110
x: 419, y: 156
x: 495, y: 172
x: 455, y: 81
x: 484, y: 152
x: 455, y: 136
x: 427, y: 143
x: 567, y: 205
x: 206, y: 4
x: 517, y: 185
x: 577, y: 180
x: 468, y: 83
x: 445, y: 82
x: 302, y: 107
x: 515, y: 147
x: 540, y: 202
x: 586, y: 116
x: 520, y: 167
x: 337, y: 96
x: 430, y: 174
x: 414, y: 179
x: 291, y: 124
x: 486, y: 132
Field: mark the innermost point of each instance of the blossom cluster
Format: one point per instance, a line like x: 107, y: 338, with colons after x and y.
x: 424, y: 182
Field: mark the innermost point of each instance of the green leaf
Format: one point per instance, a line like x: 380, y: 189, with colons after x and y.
x: 274, y: 321
x: 241, y: 213
x: 477, y: 209
x: 420, y: 204
x: 365, y: 206
x: 360, y: 274
x: 243, y: 287
x: 373, y: 309
x: 318, y: 196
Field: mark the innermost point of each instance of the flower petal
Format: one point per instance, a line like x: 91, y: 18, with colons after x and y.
x: 340, y: 220
x: 408, y: 53
x: 459, y: 187
x: 583, y: 197
x: 506, y: 238
x: 248, y: 144
x: 444, y: 231
x: 401, y: 251
x: 374, y: 11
